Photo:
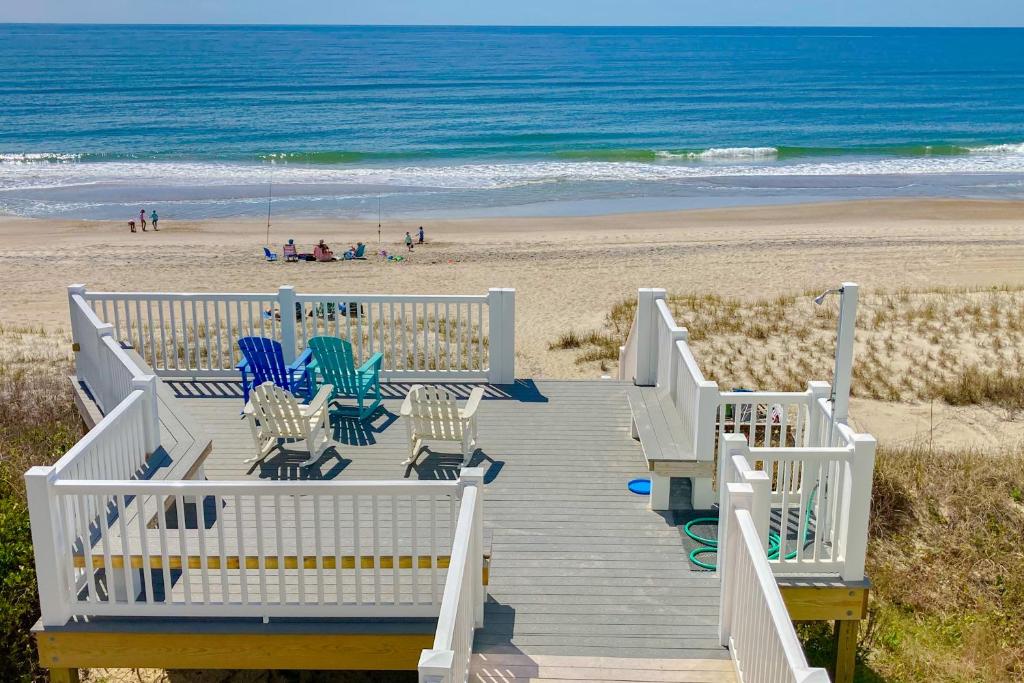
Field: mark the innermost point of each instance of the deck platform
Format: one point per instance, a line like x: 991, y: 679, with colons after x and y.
x: 580, y: 566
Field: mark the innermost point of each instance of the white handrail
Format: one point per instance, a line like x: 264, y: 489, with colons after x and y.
x: 756, y: 626
x: 241, y: 548
x: 462, y: 604
x: 192, y: 334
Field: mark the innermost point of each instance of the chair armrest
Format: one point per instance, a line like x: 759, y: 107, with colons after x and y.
x: 406, y: 410
x: 243, y: 365
x: 472, y: 404
x: 302, y: 360
x: 373, y: 363
x: 320, y: 400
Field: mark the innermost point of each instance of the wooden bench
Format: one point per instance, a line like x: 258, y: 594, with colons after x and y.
x: 666, y: 446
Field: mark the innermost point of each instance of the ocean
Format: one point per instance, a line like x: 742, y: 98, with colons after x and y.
x: 207, y: 121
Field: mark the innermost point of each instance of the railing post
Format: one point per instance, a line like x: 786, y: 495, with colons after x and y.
x: 856, y: 501
x: 286, y: 304
x: 817, y: 391
x: 844, y: 351
x: 47, y: 543
x: 73, y: 291
x: 435, y: 666
x: 151, y: 425
x: 474, y: 476
x: 760, y: 503
x: 647, y: 336
x: 501, y: 319
x: 737, y: 497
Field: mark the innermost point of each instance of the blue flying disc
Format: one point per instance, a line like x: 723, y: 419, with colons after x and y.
x: 641, y: 487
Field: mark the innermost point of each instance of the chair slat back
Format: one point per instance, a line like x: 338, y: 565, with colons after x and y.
x: 278, y: 411
x: 335, y: 360
x: 266, y: 361
x: 435, y: 413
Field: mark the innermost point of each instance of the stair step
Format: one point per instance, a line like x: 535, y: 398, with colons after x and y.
x: 498, y: 668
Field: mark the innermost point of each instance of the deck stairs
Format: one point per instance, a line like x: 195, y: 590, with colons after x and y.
x: 501, y: 668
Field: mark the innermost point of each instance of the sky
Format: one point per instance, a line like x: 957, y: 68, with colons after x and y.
x: 527, y: 12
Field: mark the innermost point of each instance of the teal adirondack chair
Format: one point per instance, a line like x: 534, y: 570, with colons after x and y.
x: 333, y: 363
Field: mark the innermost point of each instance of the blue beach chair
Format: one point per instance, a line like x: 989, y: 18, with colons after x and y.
x: 334, y: 364
x: 271, y: 256
x: 264, y: 359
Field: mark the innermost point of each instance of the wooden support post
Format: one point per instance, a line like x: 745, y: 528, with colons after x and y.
x: 63, y: 675
x: 286, y: 304
x: 846, y: 650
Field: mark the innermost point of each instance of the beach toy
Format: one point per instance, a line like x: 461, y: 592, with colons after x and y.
x: 641, y: 487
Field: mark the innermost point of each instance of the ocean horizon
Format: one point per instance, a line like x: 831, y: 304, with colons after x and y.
x: 206, y: 121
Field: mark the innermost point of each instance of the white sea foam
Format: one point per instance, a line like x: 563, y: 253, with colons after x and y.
x: 34, y: 157
x: 1011, y: 148
x: 18, y: 175
x: 723, y: 153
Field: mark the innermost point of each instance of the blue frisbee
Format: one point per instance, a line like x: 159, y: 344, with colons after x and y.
x: 641, y: 487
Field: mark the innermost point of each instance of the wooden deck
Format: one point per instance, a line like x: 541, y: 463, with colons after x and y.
x: 580, y: 566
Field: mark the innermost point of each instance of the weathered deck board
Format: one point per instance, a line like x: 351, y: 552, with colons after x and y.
x: 580, y: 566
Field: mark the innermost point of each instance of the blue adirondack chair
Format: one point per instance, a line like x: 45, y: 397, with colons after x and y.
x: 264, y: 359
x: 271, y: 256
x: 333, y: 363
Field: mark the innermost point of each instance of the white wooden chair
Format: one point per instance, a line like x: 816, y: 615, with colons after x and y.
x: 275, y: 415
x: 431, y: 413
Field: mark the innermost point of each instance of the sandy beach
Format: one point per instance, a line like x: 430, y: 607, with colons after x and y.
x: 568, y: 272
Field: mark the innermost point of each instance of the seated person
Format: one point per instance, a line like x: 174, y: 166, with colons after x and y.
x: 290, y: 252
x: 321, y: 252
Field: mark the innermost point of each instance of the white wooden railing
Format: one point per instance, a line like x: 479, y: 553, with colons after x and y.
x: 250, y: 549
x: 421, y: 337
x: 462, y: 607
x: 754, y: 623
x: 108, y: 372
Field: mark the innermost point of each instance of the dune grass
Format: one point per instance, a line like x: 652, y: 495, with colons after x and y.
x: 962, y: 346
x: 38, y: 423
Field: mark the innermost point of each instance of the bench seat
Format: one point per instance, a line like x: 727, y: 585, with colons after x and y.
x: 667, y: 448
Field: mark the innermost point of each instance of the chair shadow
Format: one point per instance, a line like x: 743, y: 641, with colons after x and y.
x: 284, y: 464
x: 351, y: 431
x: 433, y: 465
x: 523, y: 390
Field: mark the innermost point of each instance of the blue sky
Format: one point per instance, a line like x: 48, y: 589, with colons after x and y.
x: 528, y: 12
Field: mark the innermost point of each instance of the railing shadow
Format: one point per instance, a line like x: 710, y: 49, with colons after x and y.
x: 204, y: 388
x: 523, y: 390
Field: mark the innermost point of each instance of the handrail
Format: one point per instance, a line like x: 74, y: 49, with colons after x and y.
x: 462, y: 604
x: 442, y: 336
x: 627, y: 355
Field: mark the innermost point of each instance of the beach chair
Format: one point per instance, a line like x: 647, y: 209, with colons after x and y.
x: 270, y: 256
x: 275, y: 416
x: 360, y: 251
x: 431, y: 413
x: 322, y: 254
x: 290, y: 253
x: 264, y: 359
x: 333, y: 364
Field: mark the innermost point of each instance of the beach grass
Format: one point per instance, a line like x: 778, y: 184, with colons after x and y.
x: 38, y: 423
x: 962, y: 346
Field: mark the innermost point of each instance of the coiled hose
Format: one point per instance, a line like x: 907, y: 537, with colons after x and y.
x: 710, y: 545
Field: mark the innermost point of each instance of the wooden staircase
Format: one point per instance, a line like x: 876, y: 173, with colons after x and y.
x: 498, y: 668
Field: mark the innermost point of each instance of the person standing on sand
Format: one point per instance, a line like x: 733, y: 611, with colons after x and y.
x: 421, y: 235
x: 408, y: 240
x: 153, y: 218
x: 142, y: 219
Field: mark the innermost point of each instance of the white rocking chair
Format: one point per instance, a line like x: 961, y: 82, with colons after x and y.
x: 431, y: 413
x: 275, y: 415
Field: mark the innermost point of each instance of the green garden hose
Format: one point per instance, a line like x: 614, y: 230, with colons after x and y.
x: 710, y: 545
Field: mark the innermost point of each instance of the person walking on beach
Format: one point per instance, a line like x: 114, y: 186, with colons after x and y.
x: 153, y: 218
x: 421, y: 235
x: 408, y: 240
x: 142, y: 219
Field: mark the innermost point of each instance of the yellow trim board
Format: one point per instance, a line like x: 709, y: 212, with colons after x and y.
x: 825, y: 603
x: 378, y: 651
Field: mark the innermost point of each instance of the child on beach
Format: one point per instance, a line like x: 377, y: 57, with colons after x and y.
x: 408, y: 240
x: 421, y: 235
x: 153, y: 218
x: 142, y: 219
